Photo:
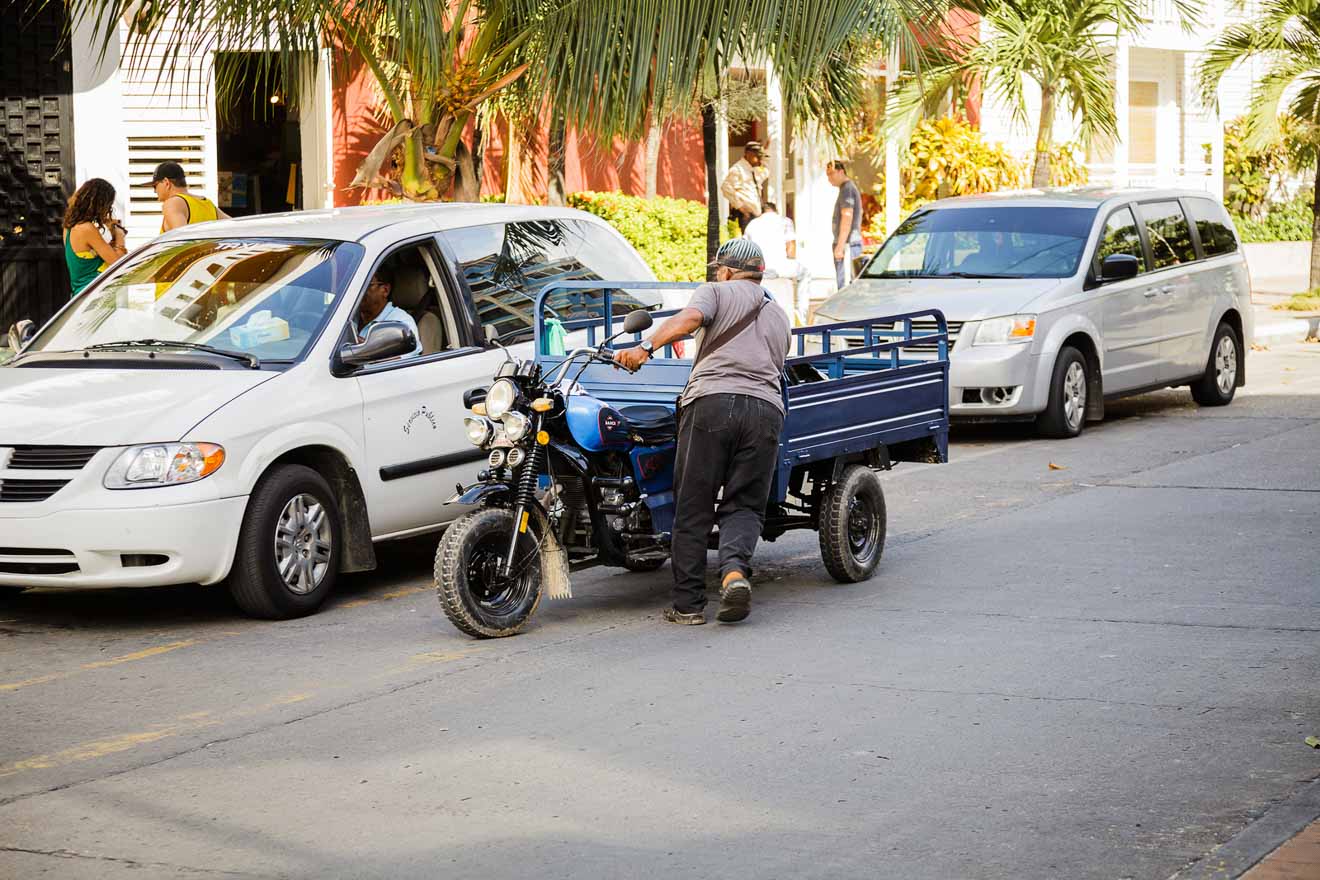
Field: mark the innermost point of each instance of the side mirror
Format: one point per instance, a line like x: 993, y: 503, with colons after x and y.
x: 21, y: 334
x: 473, y: 396
x: 386, y: 340
x: 1119, y: 267
x: 637, y: 321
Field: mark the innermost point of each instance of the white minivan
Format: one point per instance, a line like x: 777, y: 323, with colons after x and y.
x: 1056, y: 301
x: 211, y: 408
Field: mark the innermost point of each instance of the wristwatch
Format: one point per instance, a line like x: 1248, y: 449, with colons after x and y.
x: 648, y: 347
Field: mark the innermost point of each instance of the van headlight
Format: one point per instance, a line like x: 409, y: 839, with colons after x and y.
x: 500, y: 398
x: 997, y: 331
x: 164, y: 464
x: 516, y: 425
x: 479, y: 431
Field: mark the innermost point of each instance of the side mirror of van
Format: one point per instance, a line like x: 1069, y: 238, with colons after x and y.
x: 1119, y: 267
x: 21, y: 334
x: 385, y: 340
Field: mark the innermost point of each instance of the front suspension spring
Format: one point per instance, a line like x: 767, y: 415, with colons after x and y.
x: 528, y: 478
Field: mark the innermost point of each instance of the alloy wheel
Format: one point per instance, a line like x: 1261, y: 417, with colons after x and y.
x: 1226, y: 364
x: 1074, y: 395
x: 303, y: 544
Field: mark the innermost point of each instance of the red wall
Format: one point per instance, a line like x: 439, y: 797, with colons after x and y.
x: 588, y: 164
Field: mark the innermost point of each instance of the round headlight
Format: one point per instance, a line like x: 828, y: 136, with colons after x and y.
x: 500, y: 398
x: 516, y: 457
x: 478, y: 430
x: 496, y: 458
x: 516, y: 425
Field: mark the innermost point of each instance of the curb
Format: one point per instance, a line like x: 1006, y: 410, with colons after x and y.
x: 1283, y: 330
x: 1275, y: 827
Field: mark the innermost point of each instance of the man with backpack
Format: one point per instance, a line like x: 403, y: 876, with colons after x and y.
x: 730, y: 416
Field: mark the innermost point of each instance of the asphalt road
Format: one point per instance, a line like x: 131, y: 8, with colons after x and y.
x: 1094, y: 658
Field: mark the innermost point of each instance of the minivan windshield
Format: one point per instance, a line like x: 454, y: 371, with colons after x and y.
x: 985, y: 242
x: 262, y: 298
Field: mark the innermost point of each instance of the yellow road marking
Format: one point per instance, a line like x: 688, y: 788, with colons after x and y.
x: 445, y: 656
x: 101, y: 748
x: 393, y: 594
x: 99, y: 664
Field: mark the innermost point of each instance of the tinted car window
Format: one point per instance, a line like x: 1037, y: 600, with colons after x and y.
x: 1170, y: 236
x: 1213, y: 225
x: 1120, y: 237
x: 997, y: 242
x: 507, y: 265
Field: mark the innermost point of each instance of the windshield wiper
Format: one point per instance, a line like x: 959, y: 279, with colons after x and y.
x: 250, y: 359
x: 971, y: 275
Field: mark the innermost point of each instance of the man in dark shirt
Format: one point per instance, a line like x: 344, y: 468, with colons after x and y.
x: 847, y: 223
x: 730, y: 418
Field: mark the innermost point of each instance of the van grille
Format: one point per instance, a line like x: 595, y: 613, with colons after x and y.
x: 17, y: 491
x: 51, y: 458
x: 919, y: 328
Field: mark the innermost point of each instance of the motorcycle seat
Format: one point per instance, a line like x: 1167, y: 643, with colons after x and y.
x: 653, y: 423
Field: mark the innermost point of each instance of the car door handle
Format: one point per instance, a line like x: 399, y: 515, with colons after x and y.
x: 1150, y: 293
x: 1167, y: 288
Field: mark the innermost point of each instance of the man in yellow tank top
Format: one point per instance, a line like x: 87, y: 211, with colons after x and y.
x: 178, y: 206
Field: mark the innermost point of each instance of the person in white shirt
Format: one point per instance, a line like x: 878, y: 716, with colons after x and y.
x: 775, y: 235
x: 376, y: 308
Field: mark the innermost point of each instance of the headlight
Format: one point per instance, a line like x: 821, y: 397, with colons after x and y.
x: 516, y: 425
x: 500, y: 398
x: 496, y: 458
x: 164, y: 464
x: 997, y: 331
x: 516, y: 457
x: 478, y: 430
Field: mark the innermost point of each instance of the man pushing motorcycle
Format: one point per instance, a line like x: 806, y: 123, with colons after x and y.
x: 730, y: 417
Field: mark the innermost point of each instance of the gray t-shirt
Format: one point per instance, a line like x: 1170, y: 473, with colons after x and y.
x: 750, y: 363
x: 849, y: 197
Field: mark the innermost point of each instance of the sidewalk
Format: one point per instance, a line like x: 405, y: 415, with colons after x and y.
x: 1275, y: 327
x: 1298, y: 859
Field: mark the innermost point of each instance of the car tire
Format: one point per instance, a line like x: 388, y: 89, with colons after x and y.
x: 1218, y: 384
x: 474, y: 599
x: 1065, y: 413
x: 852, y: 525
x: 288, y: 547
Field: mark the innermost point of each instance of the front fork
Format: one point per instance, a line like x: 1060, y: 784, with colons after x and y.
x: 525, y: 494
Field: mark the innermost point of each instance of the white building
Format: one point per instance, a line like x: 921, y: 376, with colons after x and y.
x: 1167, y: 137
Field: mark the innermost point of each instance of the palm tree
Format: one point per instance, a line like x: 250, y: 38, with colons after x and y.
x: 605, y: 67
x: 1286, y: 35
x: 1063, y: 46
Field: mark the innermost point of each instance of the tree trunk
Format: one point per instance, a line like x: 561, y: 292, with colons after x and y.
x: 652, y: 158
x: 555, y: 161
x: 1315, y: 233
x: 416, y: 178
x: 709, y: 134
x: 478, y: 154
x: 1040, y: 174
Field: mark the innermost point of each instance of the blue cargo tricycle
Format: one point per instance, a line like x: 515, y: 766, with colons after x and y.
x: 580, y: 468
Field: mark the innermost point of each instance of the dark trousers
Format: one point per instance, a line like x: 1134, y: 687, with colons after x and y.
x: 729, y: 441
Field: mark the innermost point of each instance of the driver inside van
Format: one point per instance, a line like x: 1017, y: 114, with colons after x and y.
x: 376, y: 308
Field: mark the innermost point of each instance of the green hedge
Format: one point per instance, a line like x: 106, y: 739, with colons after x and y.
x: 669, y: 233
x: 1287, y: 222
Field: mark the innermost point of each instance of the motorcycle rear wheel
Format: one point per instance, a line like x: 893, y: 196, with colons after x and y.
x: 474, y: 596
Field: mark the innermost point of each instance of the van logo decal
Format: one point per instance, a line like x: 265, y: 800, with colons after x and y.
x: 419, y: 413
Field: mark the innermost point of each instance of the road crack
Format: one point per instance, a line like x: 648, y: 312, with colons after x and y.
x: 130, y: 863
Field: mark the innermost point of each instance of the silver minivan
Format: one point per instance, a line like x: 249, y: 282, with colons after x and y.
x: 1058, y: 300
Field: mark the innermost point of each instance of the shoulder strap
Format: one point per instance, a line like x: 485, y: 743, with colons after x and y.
x: 747, y: 320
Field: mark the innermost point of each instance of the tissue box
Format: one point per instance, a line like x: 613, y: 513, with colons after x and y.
x: 252, y: 334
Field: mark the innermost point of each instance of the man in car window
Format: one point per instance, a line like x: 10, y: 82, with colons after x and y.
x: 376, y: 308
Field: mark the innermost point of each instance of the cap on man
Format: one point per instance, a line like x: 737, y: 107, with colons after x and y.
x: 178, y: 206
x: 730, y: 416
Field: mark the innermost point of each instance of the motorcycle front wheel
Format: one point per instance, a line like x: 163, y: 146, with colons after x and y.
x: 475, y: 596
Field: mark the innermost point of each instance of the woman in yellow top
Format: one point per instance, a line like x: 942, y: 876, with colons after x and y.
x: 88, y: 218
x: 178, y: 206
